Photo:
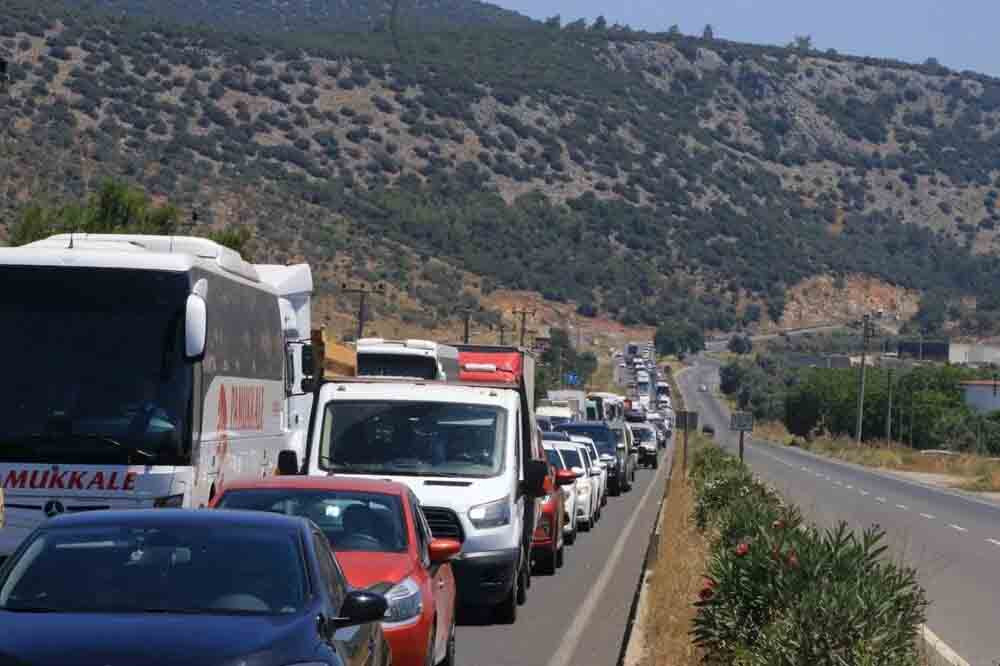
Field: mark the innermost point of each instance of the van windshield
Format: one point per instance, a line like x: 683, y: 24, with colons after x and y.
x: 397, y: 365
x: 601, y: 435
x: 412, y: 438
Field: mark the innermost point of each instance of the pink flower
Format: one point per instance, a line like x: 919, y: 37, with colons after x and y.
x: 742, y: 549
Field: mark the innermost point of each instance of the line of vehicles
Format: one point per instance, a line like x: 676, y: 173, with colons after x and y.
x: 355, y: 496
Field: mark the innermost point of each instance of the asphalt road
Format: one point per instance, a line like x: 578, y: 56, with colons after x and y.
x: 579, y: 615
x: 951, y: 538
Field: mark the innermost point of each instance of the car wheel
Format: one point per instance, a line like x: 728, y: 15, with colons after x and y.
x: 560, y: 557
x: 522, y: 588
x: 570, y: 538
x: 547, y: 563
x: 506, y: 611
x: 449, y: 655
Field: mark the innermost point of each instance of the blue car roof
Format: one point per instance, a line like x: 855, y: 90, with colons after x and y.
x: 211, y: 518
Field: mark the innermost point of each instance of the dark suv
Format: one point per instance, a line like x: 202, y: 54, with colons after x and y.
x: 618, y: 459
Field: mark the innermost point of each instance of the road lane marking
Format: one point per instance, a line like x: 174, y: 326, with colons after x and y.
x: 563, y: 655
x: 994, y: 542
x: 805, y: 469
x: 838, y: 483
x: 927, y: 516
x: 903, y: 507
x: 880, y: 499
x: 864, y: 492
x: 957, y: 527
x: 849, y: 487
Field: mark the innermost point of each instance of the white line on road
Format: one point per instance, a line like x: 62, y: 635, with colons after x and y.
x: 957, y: 527
x: 838, y: 483
x: 880, y: 499
x: 903, y: 507
x: 994, y: 542
x: 849, y: 487
x: 927, y: 516
x: 563, y: 655
x: 805, y: 469
x: 863, y: 492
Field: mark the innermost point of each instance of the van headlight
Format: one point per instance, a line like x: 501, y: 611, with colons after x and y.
x: 405, y: 602
x: 491, y: 514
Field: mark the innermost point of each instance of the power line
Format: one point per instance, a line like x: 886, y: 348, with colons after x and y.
x: 362, y: 310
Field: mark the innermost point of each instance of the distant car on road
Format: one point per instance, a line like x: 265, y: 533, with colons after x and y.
x: 174, y: 586
x: 383, y: 542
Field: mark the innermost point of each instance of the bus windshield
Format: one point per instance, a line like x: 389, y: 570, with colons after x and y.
x: 94, y: 371
x: 413, y: 438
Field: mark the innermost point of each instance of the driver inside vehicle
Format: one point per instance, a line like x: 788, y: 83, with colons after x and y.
x: 361, y: 528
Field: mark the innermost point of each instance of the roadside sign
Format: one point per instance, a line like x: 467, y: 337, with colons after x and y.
x: 741, y: 421
x: 687, y: 420
x: 572, y: 379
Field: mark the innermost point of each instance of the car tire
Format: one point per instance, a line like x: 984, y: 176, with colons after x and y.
x: 506, y: 611
x: 522, y: 588
x: 547, y: 563
x: 560, y: 557
x: 449, y: 655
x: 570, y: 538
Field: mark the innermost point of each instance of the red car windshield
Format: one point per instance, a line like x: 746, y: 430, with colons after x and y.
x: 350, y: 520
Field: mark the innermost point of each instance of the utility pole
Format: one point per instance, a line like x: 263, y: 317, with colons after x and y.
x: 362, y: 310
x: 524, y: 314
x: 888, y: 414
x: 467, y: 315
x: 864, y: 352
x: 502, y: 328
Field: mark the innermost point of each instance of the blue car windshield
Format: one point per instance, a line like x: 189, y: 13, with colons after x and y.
x: 163, y: 569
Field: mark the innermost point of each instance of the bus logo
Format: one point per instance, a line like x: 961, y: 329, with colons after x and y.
x: 53, y: 508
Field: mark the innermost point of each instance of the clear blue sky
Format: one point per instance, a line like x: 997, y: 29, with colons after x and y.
x: 962, y: 34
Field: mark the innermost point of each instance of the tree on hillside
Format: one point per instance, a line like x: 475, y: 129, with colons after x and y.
x: 674, y: 30
x: 117, y: 208
x: 600, y: 24
x: 672, y: 339
x: 554, y: 22
x: 801, y: 43
x: 708, y: 33
x: 740, y: 344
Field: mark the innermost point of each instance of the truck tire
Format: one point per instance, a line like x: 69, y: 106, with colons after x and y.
x: 505, y: 612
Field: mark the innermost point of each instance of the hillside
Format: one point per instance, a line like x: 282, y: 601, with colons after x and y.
x: 265, y: 16
x: 638, y: 176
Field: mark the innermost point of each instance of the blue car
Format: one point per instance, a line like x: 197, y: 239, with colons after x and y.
x: 169, y: 586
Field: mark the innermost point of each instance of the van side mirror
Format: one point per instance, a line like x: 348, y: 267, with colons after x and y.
x: 195, y: 326
x: 288, y: 463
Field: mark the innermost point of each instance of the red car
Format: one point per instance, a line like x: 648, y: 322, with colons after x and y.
x: 547, y: 541
x: 383, y: 543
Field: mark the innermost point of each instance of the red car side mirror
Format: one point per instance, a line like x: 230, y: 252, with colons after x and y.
x: 442, y: 550
x: 565, y: 477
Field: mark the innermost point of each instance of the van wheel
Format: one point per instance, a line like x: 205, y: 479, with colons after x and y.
x: 522, y: 589
x: 506, y: 611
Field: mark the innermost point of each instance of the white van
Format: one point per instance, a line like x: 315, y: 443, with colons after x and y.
x: 419, y: 359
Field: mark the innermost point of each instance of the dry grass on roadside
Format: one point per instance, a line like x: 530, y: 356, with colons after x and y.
x: 676, y: 580
x: 972, y: 472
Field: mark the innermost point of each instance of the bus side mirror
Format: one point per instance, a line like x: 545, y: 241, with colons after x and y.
x: 195, y: 327
x: 288, y: 463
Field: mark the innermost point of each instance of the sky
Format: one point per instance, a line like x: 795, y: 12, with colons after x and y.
x: 962, y: 34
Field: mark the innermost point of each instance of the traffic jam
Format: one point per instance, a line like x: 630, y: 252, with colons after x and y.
x: 191, y: 473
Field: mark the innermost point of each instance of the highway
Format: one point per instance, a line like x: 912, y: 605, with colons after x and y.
x: 953, y: 539
x: 579, y: 615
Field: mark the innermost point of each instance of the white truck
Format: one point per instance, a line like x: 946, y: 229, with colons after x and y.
x: 469, y: 449
x: 143, y: 371
x: 576, y: 401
